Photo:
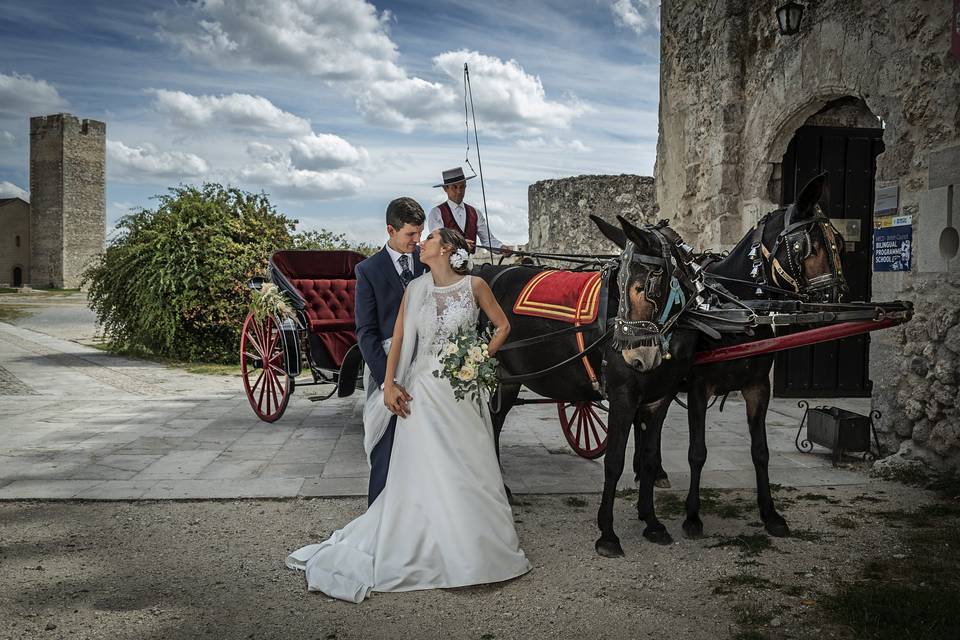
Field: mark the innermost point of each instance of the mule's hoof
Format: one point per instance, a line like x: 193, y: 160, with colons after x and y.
x: 693, y: 528
x: 609, y: 548
x: 658, y: 535
x: 777, y: 528
x: 662, y: 483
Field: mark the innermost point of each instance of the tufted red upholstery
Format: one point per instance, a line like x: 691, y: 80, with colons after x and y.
x: 329, y: 308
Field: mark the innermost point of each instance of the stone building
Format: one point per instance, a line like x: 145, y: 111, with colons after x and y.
x: 15, y: 239
x: 868, y: 90
x: 558, y: 210
x: 67, y: 198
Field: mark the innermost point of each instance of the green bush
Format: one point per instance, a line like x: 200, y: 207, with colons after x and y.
x: 173, y: 282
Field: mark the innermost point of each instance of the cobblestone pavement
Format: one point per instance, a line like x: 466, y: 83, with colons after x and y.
x: 76, y: 422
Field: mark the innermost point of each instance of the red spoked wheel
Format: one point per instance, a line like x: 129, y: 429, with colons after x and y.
x: 585, y: 429
x: 263, y: 369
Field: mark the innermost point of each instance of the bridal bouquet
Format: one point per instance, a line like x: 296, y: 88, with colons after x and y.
x: 465, y: 363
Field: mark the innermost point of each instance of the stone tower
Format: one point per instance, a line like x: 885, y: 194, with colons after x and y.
x: 68, y: 220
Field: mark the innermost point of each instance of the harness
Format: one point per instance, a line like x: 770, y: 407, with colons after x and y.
x: 796, y: 241
x: 676, y: 269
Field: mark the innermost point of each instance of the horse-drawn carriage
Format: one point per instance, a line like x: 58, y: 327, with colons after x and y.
x: 654, y: 320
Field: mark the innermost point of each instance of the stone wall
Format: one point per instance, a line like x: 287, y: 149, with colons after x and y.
x: 14, y: 239
x: 734, y: 91
x: 558, y: 210
x: 68, y: 197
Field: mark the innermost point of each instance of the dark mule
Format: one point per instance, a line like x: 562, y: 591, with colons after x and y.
x: 640, y: 380
x: 802, y: 263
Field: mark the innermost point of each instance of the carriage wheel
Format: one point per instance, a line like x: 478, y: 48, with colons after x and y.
x: 263, y: 369
x: 585, y: 430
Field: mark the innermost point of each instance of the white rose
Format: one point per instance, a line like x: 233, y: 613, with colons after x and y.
x: 448, y: 349
x: 467, y: 373
x: 477, y: 354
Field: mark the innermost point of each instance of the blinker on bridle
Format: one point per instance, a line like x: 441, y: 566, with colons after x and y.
x: 630, y: 334
x: 795, y: 239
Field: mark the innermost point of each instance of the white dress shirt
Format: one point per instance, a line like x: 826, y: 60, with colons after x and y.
x: 395, y: 256
x: 484, y: 237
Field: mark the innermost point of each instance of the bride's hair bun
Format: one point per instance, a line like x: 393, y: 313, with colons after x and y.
x: 455, y: 239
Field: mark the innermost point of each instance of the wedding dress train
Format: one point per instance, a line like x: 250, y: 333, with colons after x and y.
x: 443, y: 519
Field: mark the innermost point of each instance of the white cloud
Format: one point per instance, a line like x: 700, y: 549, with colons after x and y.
x: 638, y: 15
x: 237, y: 110
x: 10, y: 190
x: 553, y: 143
x: 512, y: 101
x: 275, y: 172
x: 323, y: 151
x: 346, y: 43
x: 23, y: 96
x: 7, y: 139
x: 335, y: 40
x: 146, y: 162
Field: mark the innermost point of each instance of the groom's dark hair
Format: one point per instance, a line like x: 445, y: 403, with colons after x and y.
x: 404, y: 211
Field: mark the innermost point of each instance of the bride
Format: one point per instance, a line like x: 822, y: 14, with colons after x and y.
x: 443, y: 519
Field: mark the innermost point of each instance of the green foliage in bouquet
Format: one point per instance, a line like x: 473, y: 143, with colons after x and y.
x: 465, y: 364
x: 172, y: 282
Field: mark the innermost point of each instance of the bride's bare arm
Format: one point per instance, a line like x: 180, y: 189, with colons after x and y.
x: 395, y: 397
x: 488, y: 303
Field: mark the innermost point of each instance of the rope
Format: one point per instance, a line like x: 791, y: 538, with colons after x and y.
x: 476, y: 139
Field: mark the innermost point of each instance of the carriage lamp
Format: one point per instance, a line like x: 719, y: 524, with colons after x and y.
x: 789, y: 16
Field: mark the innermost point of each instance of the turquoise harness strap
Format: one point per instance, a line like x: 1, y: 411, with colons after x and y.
x: 676, y: 297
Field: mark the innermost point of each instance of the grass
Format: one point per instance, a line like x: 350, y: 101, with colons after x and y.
x: 752, y: 545
x: 9, y: 313
x: 574, y: 501
x: 915, y: 596
x: 731, y: 583
x: 818, y: 497
x: 806, y: 535
x: 843, y: 522
x: 673, y: 505
x: 8, y: 290
x: 202, y: 368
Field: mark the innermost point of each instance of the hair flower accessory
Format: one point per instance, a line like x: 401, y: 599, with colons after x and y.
x: 457, y: 258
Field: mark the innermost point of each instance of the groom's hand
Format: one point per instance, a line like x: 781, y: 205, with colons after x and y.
x: 396, y: 399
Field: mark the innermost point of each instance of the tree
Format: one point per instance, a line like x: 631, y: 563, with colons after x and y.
x: 173, y: 282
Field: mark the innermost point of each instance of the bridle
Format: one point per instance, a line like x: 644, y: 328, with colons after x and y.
x: 796, y: 243
x: 676, y: 279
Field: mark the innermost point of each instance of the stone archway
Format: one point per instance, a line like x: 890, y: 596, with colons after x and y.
x: 17, y: 277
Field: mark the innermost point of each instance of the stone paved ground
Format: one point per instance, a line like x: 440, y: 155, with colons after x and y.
x: 76, y: 422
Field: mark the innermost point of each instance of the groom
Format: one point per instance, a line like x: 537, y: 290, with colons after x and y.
x: 381, y: 280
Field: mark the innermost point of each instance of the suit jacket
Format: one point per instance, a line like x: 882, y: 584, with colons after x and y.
x: 376, y: 304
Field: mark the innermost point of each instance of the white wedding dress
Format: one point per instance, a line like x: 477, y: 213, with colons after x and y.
x: 443, y: 519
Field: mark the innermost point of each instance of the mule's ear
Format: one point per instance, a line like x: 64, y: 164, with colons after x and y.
x: 635, y: 235
x: 810, y: 195
x: 614, y: 234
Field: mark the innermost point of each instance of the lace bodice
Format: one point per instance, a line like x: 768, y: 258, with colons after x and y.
x: 445, y: 311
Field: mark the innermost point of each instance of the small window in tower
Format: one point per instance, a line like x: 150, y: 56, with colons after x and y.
x: 18, y: 241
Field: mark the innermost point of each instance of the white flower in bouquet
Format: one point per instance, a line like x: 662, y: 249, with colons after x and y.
x: 448, y: 349
x: 467, y: 373
x: 477, y: 354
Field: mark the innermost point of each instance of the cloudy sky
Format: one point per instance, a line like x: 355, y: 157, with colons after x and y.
x: 334, y: 107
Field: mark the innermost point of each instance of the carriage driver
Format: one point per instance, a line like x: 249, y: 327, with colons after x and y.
x: 457, y: 214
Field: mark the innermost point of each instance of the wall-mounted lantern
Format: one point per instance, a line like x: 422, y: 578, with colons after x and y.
x: 789, y: 16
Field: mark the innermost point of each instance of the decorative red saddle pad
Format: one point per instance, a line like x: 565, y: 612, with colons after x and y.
x: 571, y: 296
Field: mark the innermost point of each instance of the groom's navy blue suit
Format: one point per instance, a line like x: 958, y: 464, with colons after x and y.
x: 377, y: 301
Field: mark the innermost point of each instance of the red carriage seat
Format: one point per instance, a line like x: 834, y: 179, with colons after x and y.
x: 325, y: 282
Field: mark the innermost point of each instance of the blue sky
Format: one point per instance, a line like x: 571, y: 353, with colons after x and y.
x: 334, y: 107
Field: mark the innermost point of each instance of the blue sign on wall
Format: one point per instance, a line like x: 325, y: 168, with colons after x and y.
x: 893, y: 245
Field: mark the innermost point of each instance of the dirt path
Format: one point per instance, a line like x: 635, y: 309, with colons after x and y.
x: 215, y: 569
